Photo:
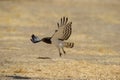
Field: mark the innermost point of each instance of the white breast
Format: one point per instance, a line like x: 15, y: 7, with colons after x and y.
x: 57, y: 43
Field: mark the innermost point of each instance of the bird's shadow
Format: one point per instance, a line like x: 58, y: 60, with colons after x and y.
x: 19, y: 77
x: 43, y: 58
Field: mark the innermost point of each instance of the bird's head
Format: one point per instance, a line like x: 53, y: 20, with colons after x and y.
x: 36, y: 39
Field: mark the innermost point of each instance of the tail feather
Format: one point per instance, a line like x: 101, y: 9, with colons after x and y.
x: 68, y: 44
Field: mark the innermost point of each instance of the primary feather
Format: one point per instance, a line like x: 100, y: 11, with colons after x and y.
x: 64, y: 29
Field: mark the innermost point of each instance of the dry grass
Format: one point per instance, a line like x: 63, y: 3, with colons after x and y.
x: 64, y: 69
x: 96, y: 55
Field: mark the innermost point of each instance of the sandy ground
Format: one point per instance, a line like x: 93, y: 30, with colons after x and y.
x: 96, y: 30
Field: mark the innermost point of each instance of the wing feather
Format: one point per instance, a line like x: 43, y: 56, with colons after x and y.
x: 67, y: 31
x: 64, y: 29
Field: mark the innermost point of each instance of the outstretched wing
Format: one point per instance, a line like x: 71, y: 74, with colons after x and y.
x: 64, y: 29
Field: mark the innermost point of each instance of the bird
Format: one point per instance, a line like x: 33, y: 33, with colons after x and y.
x: 59, y: 37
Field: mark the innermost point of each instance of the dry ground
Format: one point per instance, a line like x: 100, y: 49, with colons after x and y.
x: 96, y: 30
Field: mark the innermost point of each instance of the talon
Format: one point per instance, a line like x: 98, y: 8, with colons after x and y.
x: 64, y: 52
x: 56, y: 30
x: 60, y: 54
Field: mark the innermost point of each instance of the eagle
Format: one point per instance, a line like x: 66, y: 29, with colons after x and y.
x: 59, y: 37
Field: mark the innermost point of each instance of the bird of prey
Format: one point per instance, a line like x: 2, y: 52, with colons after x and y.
x: 59, y: 37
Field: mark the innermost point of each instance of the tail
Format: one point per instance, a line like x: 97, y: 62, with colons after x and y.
x: 68, y: 44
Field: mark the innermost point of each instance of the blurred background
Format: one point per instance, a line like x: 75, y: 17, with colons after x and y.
x: 96, y: 29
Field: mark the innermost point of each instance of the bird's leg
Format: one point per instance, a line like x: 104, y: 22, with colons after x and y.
x: 63, y: 50
x: 59, y: 52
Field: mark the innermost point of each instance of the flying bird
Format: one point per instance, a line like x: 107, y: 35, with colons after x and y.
x: 59, y: 37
